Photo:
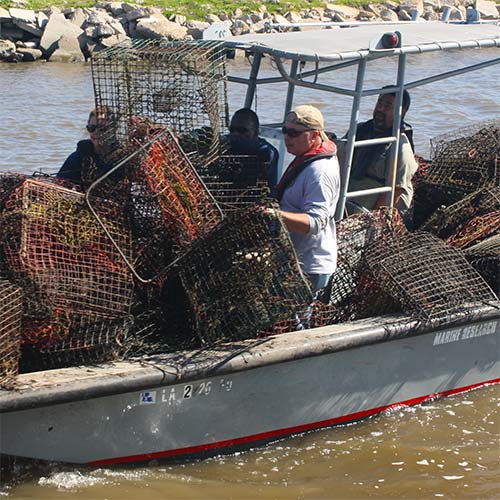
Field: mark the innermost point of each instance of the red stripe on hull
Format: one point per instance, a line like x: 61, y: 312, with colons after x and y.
x: 265, y: 436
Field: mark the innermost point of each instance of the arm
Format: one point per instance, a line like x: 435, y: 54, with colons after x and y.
x: 298, y: 223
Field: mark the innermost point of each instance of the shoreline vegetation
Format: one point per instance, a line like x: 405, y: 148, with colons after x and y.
x: 72, y: 30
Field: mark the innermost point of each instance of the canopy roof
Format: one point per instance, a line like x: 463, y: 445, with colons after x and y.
x: 348, y: 43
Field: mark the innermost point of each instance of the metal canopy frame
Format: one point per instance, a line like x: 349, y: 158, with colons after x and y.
x: 260, y: 46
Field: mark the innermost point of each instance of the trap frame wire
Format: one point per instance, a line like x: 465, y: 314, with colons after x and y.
x: 180, y: 85
x: 485, y: 258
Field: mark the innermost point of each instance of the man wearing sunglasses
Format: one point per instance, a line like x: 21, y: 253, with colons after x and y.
x: 244, y: 140
x: 308, y: 193
x: 89, y: 154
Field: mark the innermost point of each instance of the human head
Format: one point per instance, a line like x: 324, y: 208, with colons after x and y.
x: 309, y: 121
x: 99, y: 126
x: 245, y: 123
x: 383, y: 114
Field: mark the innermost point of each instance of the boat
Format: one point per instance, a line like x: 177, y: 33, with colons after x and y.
x: 239, y: 394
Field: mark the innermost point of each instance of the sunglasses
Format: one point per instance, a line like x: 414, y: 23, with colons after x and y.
x: 238, y: 130
x: 93, y: 128
x: 291, y: 132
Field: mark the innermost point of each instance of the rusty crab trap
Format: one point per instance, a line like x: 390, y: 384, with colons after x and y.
x: 237, y: 181
x: 169, y: 206
x: 476, y: 230
x: 433, y: 283
x: 351, y: 290
x: 485, y: 258
x: 10, y: 332
x: 241, y: 278
x: 447, y: 221
x: 463, y: 161
x: 155, y: 83
x: 78, y: 290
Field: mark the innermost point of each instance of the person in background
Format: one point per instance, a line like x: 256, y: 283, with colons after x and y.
x: 308, y: 193
x: 371, y: 164
x: 244, y: 140
x: 90, y: 152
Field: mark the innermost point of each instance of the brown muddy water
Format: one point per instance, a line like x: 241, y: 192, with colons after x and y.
x: 449, y: 448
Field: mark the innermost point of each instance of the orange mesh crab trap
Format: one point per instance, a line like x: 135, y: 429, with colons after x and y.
x: 475, y: 230
x: 10, y: 332
x: 180, y: 85
x: 242, y: 277
x: 168, y: 207
x: 67, y: 266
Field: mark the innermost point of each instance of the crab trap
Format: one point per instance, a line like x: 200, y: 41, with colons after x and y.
x: 431, y: 281
x: 155, y: 83
x: 485, y: 258
x: 10, y: 332
x: 76, y: 285
x: 242, y: 277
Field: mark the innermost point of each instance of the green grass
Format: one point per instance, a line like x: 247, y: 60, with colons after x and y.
x: 196, y: 9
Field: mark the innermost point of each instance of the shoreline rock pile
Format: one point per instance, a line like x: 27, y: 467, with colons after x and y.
x: 73, y: 35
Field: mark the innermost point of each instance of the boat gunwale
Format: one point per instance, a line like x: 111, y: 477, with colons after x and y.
x: 161, y: 370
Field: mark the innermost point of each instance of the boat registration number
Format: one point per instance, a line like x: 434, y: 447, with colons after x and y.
x: 177, y: 394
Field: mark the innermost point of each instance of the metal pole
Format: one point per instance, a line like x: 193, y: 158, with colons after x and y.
x: 351, y: 137
x: 396, y: 129
x: 252, y: 79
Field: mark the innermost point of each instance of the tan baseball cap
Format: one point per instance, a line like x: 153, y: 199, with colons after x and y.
x: 308, y: 116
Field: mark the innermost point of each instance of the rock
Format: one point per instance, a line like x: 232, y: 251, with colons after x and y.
x: 293, y: 17
x: 374, y: 9
x: 179, y: 19
x: 113, y: 40
x: 432, y: 4
x: 404, y: 15
x: 78, y: 17
x: 31, y: 28
x: 388, y: 4
x: 431, y: 15
x: 152, y: 27
x: 456, y: 14
x: 27, y: 16
x: 7, y: 48
x: 15, y: 57
x: 212, y: 18
x: 4, y: 15
x: 68, y: 50
x: 12, y: 33
x: 487, y: 9
x: 30, y: 55
x: 239, y: 28
x: 389, y: 15
x: 196, y: 28
x: 41, y: 20
x: 279, y: 19
x: 57, y: 27
x: 345, y: 11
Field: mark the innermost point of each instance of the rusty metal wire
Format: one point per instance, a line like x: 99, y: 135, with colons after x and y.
x: 180, y: 85
x: 475, y: 230
x: 432, y: 281
x: 463, y: 161
x: 236, y: 181
x: 485, y: 258
x: 315, y: 315
x: 68, y: 268
x: 351, y: 288
x: 242, y: 277
x: 10, y: 332
x: 449, y: 220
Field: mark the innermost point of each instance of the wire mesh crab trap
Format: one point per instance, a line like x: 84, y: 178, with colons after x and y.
x: 10, y: 332
x: 448, y: 220
x: 180, y: 85
x: 475, y: 230
x: 74, y: 280
x: 351, y: 289
x: 463, y: 161
x: 242, y: 277
x: 485, y: 258
x: 432, y: 281
x: 237, y: 181
x: 168, y: 206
